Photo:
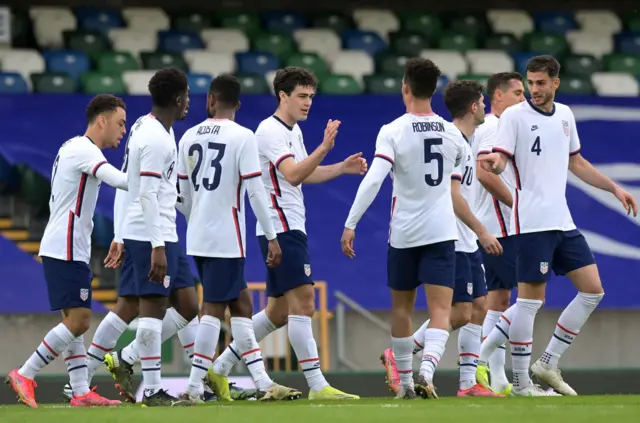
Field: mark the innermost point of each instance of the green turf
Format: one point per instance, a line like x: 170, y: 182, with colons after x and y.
x: 586, y: 409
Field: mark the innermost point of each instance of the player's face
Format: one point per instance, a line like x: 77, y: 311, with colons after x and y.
x: 183, y: 105
x: 542, y: 87
x: 115, y: 127
x: 298, y: 104
x: 514, y: 94
x: 478, y: 115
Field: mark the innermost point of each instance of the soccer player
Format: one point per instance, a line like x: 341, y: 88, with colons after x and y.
x: 286, y: 166
x: 421, y: 150
x: 218, y: 163
x: 78, y: 170
x: 493, y: 209
x: 541, y: 140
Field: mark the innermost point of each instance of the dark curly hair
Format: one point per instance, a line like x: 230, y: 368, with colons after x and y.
x: 289, y: 78
x: 421, y: 75
x: 103, y: 103
x: 166, y: 85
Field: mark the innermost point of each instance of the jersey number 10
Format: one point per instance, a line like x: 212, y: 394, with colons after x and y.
x: 208, y: 184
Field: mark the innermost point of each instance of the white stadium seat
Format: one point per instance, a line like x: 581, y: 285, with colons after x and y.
x: 146, y: 19
x: 599, y: 21
x: 516, y: 22
x: 380, y: 21
x: 225, y: 40
x: 489, y: 61
x: 613, y: 84
x: 450, y: 62
x: 353, y: 62
x: 324, y: 42
x: 582, y: 42
x: 137, y: 82
x: 23, y: 61
x: 204, y: 61
x: 269, y: 77
x: 48, y: 28
x: 132, y: 40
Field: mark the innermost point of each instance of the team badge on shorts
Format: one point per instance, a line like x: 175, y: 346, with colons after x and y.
x: 470, y: 288
x: 167, y: 281
x: 544, y: 267
x: 565, y: 127
x: 84, y: 294
x: 307, y: 269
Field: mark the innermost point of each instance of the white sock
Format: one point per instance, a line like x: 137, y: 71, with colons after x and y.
x: 492, y: 350
x: 402, y: 350
x: 301, y: 338
x: 149, y: 341
x: 434, y: 344
x: 51, y: 346
x: 248, y: 348
x: 205, y: 349
x: 104, y: 340
x: 262, y: 327
x: 75, y: 357
x: 569, y: 324
x: 521, y: 340
x: 469, y: 350
x: 187, y: 337
x: 418, y: 337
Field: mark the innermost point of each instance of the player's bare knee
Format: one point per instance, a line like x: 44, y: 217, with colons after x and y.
x: 214, y: 309
x: 153, y: 306
x: 241, y: 308
x: 185, y: 301
x: 301, y: 301
x: 532, y: 290
x: 77, y: 320
x: 478, y: 310
x: 277, y: 311
x: 126, y: 308
x: 498, y: 300
x: 460, y: 315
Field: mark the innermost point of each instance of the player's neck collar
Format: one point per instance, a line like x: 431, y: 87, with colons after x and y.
x: 290, y: 128
x: 89, y: 138
x: 542, y: 112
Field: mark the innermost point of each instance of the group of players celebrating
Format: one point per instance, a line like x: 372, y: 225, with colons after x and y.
x: 478, y: 209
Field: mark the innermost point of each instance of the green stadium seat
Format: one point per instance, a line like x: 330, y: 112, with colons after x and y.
x: 334, y: 21
x: 546, y: 43
x: 310, y: 61
x: 632, y: 21
x: 457, y: 41
x: 53, y: 83
x: 383, y: 84
x: 249, y: 23
x: 423, y: 23
x: 505, y: 42
x: 192, y: 21
x: 392, y: 64
x: 103, y: 83
x: 253, y: 84
x: 282, y: 45
x: 160, y: 60
x: 581, y: 65
x: 86, y: 41
x: 621, y: 62
x: 408, y: 43
x: 470, y: 25
x: 480, y: 77
x: 35, y: 189
x: 340, y: 84
x: 116, y: 62
x: 576, y: 85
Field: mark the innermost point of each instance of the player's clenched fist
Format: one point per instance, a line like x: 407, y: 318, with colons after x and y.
x: 274, y: 253
x: 355, y: 165
x: 158, y: 265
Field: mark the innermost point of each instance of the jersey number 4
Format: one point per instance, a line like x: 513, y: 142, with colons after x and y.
x: 208, y: 184
x: 430, y: 156
x: 535, y: 148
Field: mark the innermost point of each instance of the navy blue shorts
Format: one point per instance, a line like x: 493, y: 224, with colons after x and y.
x: 68, y: 283
x: 127, y: 285
x: 139, y: 253
x: 500, y: 271
x: 295, y: 268
x: 470, y: 281
x: 433, y: 264
x: 222, y: 278
x: 540, y: 252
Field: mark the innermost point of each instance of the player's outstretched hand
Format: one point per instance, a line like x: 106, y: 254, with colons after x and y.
x: 115, y: 256
x: 628, y: 202
x: 493, y: 162
x: 348, y: 236
x: 330, y: 133
x: 490, y: 244
x: 355, y: 165
x: 274, y: 253
x: 158, y: 265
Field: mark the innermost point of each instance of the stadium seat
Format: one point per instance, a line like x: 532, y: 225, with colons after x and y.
x: 625, y: 63
x: 12, y: 83
x: 589, y: 43
x: 283, y: 22
x: 555, y: 22
x: 382, y: 22
x: 632, y: 22
x: 456, y: 41
x: 49, y: 12
x: 469, y: 25
x: 581, y: 65
x: 575, y: 85
x: 116, y: 62
x: 207, y: 62
x: 199, y: 83
x: 503, y: 41
x: 192, y: 21
x: 628, y: 43
x: 249, y: 23
x: 408, y: 43
x: 179, y: 41
x: 133, y: 40
x: 482, y: 78
x: 253, y: 84
x: 355, y: 63
x: 391, y: 64
x: 20, y: 29
x: 489, y: 61
x: 322, y: 41
x: 137, y: 82
x: 53, y: 83
x: 333, y: 21
x: 442, y: 82
x: 48, y: 28
x: 280, y: 44
x: 23, y: 61
x: 257, y: 62
x: 520, y: 61
x: 160, y: 60
x: 102, y: 20
x: 600, y: 21
x: 611, y: 84
x: 340, y: 84
x: 546, y: 43
x: 515, y: 22
x: 73, y: 63
x: 423, y: 23
x: 383, y: 84
x: 368, y: 41
x: 451, y: 63
x: 310, y: 61
x: 146, y: 19
x: 35, y: 189
x: 87, y: 41
x: 269, y: 77
x: 101, y: 83
x: 225, y: 40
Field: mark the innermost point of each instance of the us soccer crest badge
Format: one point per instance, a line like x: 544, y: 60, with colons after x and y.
x: 307, y: 269
x: 544, y: 267
x: 565, y: 127
x: 84, y: 294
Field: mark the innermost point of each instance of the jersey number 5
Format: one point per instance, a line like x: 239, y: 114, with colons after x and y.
x: 431, y: 155
x: 207, y: 183
x: 535, y: 148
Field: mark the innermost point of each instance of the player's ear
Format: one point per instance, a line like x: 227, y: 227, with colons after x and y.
x: 238, y: 106
x: 556, y: 83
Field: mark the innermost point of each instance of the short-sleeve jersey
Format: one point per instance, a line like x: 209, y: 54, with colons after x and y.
x: 216, y: 156
x: 151, y: 153
x: 539, y: 145
x: 494, y: 215
x: 74, y: 194
x: 278, y: 141
x: 465, y: 173
x: 424, y: 150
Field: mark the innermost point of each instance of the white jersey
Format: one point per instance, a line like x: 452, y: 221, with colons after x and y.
x: 494, y: 215
x: 217, y: 156
x: 151, y: 161
x: 465, y: 173
x: 424, y: 151
x: 276, y: 142
x: 539, y: 145
x: 74, y: 194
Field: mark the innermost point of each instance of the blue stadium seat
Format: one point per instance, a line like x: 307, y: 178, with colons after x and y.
x: 520, y: 61
x: 257, y: 62
x: 102, y: 231
x: 199, y: 83
x: 178, y: 41
x: 628, y: 43
x: 73, y: 63
x: 283, y: 21
x: 12, y: 83
x: 369, y: 41
x: 91, y: 18
x: 442, y: 82
x: 557, y: 22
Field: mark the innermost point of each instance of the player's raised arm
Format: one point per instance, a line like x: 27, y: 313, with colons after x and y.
x: 150, y: 178
x: 491, y: 182
x: 505, y: 145
x: 92, y: 162
x: 184, y: 201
